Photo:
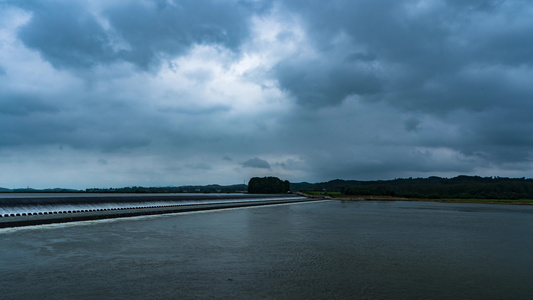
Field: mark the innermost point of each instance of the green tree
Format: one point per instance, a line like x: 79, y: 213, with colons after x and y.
x: 268, y: 185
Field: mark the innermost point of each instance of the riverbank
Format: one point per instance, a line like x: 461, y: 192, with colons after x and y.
x: 390, y: 198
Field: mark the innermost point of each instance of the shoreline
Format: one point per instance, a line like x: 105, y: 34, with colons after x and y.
x: 391, y: 198
x: 474, y: 201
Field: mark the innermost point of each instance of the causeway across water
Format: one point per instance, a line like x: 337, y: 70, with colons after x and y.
x: 26, y: 210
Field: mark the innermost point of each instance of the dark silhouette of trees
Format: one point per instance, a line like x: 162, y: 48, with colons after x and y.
x: 460, y: 187
x: 268, y: 185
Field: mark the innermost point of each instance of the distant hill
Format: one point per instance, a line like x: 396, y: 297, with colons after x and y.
x: 30, y: 190
x: 460, y: 187
x: 463, y: 187
x: 212, y: 188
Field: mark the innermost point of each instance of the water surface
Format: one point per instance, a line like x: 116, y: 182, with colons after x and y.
x: 318, y: 250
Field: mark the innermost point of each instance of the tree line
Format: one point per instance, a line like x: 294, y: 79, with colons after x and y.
x: 212, y: 188
x: 460, y: 187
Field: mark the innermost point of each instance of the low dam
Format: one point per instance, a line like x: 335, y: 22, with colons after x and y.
x: 35, y: 209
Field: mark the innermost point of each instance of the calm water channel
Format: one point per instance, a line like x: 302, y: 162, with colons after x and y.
x: 320, y: 250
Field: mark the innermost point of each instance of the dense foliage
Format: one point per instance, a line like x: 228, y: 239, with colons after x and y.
x: 212, y: 188
x: 461, y: 187
x: 268, y: 185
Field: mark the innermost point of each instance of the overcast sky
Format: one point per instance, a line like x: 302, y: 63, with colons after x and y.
x: 173, y: 92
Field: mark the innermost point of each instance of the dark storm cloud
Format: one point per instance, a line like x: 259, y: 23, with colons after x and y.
x: 326, y: 82
x: 256, y: 163
x: 69, y: 35
x: 34, y: 120
x: 197, y: 110
x: 24, y: 105
x: 66, y: 34
x: 38, y: 128
x: 161, y: 29
x: 199, y: 166
x: 346, y: 89
x: 457, y: 62
x: 390, y: 167
x: 419, y: 57
x: 500, y: 136
x: 412, y: 124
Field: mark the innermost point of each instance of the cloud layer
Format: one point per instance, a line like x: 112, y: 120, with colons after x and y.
x: 101, y: 93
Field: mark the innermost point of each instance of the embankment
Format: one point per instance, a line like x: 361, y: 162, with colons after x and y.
x: 51, y: 210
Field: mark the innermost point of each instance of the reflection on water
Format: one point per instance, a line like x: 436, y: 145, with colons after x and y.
x: 331, y: 249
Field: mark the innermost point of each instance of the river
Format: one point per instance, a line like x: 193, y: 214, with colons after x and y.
x: 315, y: 250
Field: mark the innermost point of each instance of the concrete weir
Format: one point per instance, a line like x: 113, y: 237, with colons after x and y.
x: 38, y: 211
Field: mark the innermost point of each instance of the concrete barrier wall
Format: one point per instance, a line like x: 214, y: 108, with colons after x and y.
x: 16, y: 200
x: 27, y: 219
